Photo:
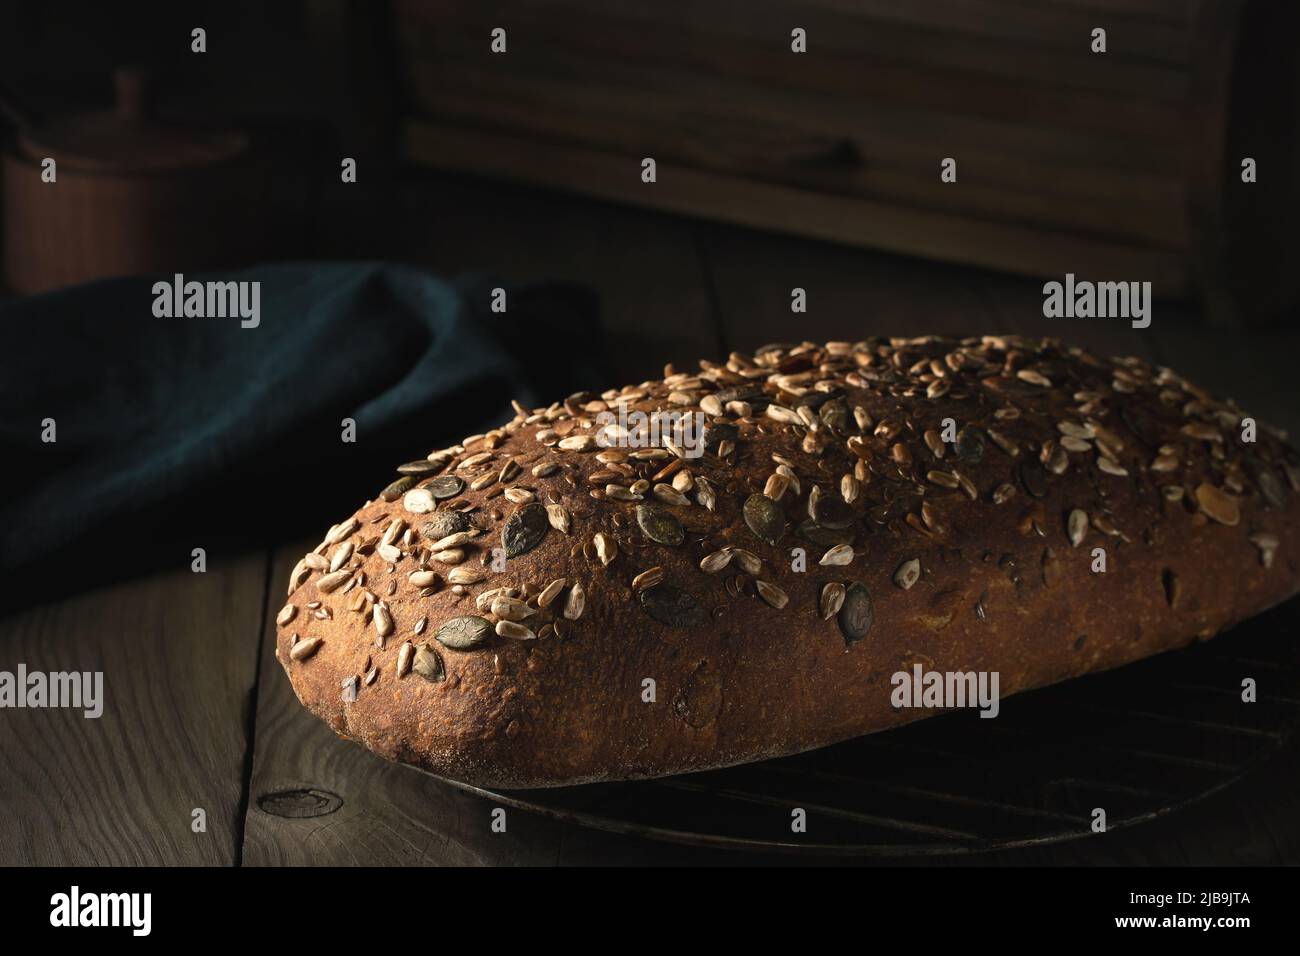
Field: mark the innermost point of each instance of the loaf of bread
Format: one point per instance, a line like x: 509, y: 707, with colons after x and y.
x: 587, y: 593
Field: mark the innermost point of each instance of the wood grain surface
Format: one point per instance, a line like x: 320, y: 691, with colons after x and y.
x: 199, y: 714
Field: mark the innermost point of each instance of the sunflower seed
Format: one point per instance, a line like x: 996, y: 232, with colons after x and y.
x: 525, y: 529
x: 606, y: 548
x: 839, y: 555
x: 1003, y: 442
x: 558, y: 518
x: 1075, y: 430
x: 1003, y: 493
x: 515, y: 632
x: 466, y: 575
x: 383, y: 621
x: 648, y: 579
x: 1034, y: 378
x: 764, y: 518
x: 659, y: 525
x: 672, y: 606
x: 832, y: 600
x: 748, y: 561
x: 286, y: 615
x: 772, y: 594
x: 545, y: 468
x: 1202, y: 431
x: 389, y: 553
x: 934, y: 441
x: 670, y: 495
x: 454, y: 540
x: 578, y: 443
x: 908, y: 573
x: 575, y: 603
x: 305, y: 648
x: 428, y: 664
x: 1110, y: 467
x: 850, y: 488
x: 510, y: 609
x: 1217, y: 505
x: 715, y: 562
x: 1077, y: 526
x: 462, y: 633
x: 345, y: 530
x: 550, y: 592
x: 331, y: 582
x: 944, y: 479
x: 1268, y: 545
x: 419, y: 501
x: 404, y: 654
x: 705, y: 495
x: 422, y: 579
x: 340, y: 556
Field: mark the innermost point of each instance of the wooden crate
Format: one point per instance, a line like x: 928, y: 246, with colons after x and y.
x: 1110, y: 166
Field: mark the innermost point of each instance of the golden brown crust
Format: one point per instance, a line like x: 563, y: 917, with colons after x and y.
x: 1057, y: 453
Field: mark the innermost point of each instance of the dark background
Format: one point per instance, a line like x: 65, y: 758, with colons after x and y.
x: 1116, y: 167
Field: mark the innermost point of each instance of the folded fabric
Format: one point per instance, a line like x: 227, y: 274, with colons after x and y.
x: 171, y: 431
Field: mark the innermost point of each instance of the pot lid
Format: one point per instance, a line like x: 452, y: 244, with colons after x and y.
x: 126, y: 138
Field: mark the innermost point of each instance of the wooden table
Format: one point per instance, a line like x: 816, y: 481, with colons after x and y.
x: 200, y: 716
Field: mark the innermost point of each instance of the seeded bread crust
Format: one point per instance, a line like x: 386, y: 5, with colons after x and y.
x: 975, y: 554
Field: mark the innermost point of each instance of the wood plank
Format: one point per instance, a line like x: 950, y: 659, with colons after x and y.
x: 888, y: 154
x: 643, y: 265
x: 856, y: 87
x: 854, y: 222
x: 178, y: 653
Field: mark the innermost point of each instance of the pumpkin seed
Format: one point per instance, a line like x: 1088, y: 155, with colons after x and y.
x: 462, y: 633
x: 398, y: 488
x: 448, y: 486
x: 672, y: 606
x: 525, y: 529
x: 764, y: 518
x: 856, y: 613
x: 428, y: 664
x: 659, y: 525
x: 443, y: 524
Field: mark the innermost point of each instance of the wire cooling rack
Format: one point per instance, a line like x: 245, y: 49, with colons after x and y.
x: 1139, y: 741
